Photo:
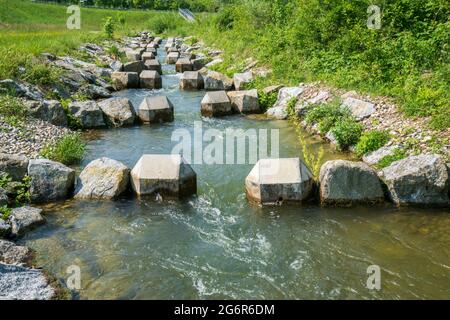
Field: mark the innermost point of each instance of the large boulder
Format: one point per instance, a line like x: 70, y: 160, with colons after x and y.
x: 134, y: 66
x: 216, y: 81
x: 358, y: 108
x: 216, y: 104
x: 50, y: 180
x: 95, y: 92
x: 125, y: 80
x: 16, y: 166
x: 150, y: 79
x: 103, y: 178
x: 418, y: 180
x: 168, y: 175
x: 156, y: 110
x: 21, y: 283
x: 345, y: 183
x: 119, y: 112
x: 21, y: 89
x: 183, y: 64
x: 88, y: 113
x: 242, y: 80
x: 191, y: 80
x: 25, y: 219
x: 285, y: 95
x: 153, y: 65
x: 279, y: 180
x: 10, y: 253
x: 48, y: 110
x: 245, y: 101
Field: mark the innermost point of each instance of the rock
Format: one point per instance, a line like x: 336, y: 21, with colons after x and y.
x: 12, y: 254
x: 279, y: 110
x: 346, y: 183
x: 183, y: 64
x: 198, y: 64
x: 245, y: 101
x: 148, y: 56
x: 95, y: 92
x: 358, y: 108
x: 279, y: 180
x: 5, y: 229
x: 119, y: 112
x: 172, y: 58
x: 48, y: 110
x: 50, y: 180
x: 241, y: 80
x: 3, y: 197
x: 191, y: 80
x: 102, y: 179
x: 16, y: 166
x: 216, y: 104
x: 88, y: 113
x: 214, y: 62
x: 124, y: 80
x: 156, y: 110
x: 25, y: 219
x: 168, y: 175
x: 374, y: 157
x: 215, y: 81
x: 116, y: 65
x: 150, y: 79
x: 21, y: 89
x: 272, y: 89
x: 153, y: 65
x: 302, y: 107
x: 133, y: 55
x: 418, y: 180
x: 152, y: 50
x: 332, y: 139
x: 20, y: 283
x: 135, y: 66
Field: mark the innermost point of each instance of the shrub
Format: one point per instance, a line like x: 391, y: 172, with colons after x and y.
x: 68, y: 150
x: 162, y: 23
x: 371, y: 141
x: 398, y: 154
x: 108, y: 27
x: 225, y: 19
x: 290, y: 108
x: 326, y: 115
x: 267, y: 100
x: 5, y: 212
x: 347, y: 132
x: 12, y: 110
x: 41, y: 74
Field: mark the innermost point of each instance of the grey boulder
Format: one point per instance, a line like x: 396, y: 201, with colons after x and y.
x: 25, y: 219
x: 88, y: 113
x: 119, y: 112
x: 48, y: 110
x: 10, y: 253
x: 16, y: 166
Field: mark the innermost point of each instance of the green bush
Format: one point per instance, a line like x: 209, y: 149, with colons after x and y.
x: 267, y: 100
x: 162, y: 23
x: 68, y: 150
x: 5, y: 212
x: 371, y: 141
x: 12, y: 110
x: 326, y: 115
x: 108, y: 27
x: 347, y: 132
x: 225, y: 19
x: 398, y: 154
x: 41, y: 74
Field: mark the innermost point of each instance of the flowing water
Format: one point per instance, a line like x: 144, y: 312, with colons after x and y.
x: 218, y: 246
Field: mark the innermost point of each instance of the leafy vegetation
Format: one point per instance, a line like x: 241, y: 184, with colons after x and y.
x: 108, y: 27
x: 19, y: 190
x: 371, y: 141
x: 267, y: 100
x: 41, y: 74
x: 326, y: 116
x: 347, y: 132
x: 12, y: 110
x: 5, y: 212
x: 68, y: 150
x: 398, y: 154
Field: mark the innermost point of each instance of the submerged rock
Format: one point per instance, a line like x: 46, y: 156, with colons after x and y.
x: 216, y: 104
x: 103, y: 178
x: 346, y: 183
x: 418, y: 180
x: 25, y: 219
x: 16, y: 166
x: 88, y: 113
x: 119, y: 112
x: 10, y: 253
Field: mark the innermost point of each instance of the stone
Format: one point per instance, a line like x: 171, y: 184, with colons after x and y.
x: 191, y: 80
x: 148, y: 56
x: 375, y: 156
x: 48, y: 110
x: 125, y: 80
x: 156, y: 110
x: 358, y: 108
x: 50, y: 180
x: 345, y: 183
x: 103, y: 178
x: 279, y: 180
x: 25, y: 219
x: 150, y: 79
x: 16, y: 166
x: 133, y: 55
x: 5, y: 228
x: 172, y: 58
x: 173, y: 49
x: 214, y: 62
x: 21, y: 89
x: 116, y: 65
x: 3, y: 197
x: 153, y: 65
x: 245, y: 102
x: 135, y: 66
x: 216, y: 104
x: 215, y: 81
x: 272, y: 89
x: 418, y: 180
x: 95, y: 92
x: 10, y: 253
x: 198, y: 63
x: 183, y: 65
x: 21, y: 283
x: 168, y: 175
x: 88, y: 113
x: 241, y: 80
x: 302, y: 106
x: 279, y: 110
x: 119, y: 112
x: 152, y: 50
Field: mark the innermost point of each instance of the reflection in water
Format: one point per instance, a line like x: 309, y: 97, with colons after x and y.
x: 217, y: 245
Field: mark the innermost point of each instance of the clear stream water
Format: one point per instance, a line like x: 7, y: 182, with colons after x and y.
x: 218, y: 246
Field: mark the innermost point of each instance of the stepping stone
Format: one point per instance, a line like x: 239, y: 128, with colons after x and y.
x: 172, y: 58
x: 245, y: 101
x: 147, y: 56
x: 241, y: 80
x: 216, y: 104
x: 153, y: 65
x: 152, y: 45
x: 173, y: 49
x: 279, y: 180
x: 125, y: 80
x: 217, y: 81
x: 183, y: 65
x: 156, y: 110
x: 150, y: 79
x: 133, y: 55
x: 168, y: 175
x: 152, y: 50
x: 135, y: 66
x: 157, y: 40
x: 191, y: 80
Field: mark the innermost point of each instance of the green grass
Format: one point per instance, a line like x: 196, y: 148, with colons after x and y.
x: 12, y: 110
x: 371, y: 141
x: 5, y: 212
x: 398, y: 154
x: 267, y: 100
x: 68, y: 150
